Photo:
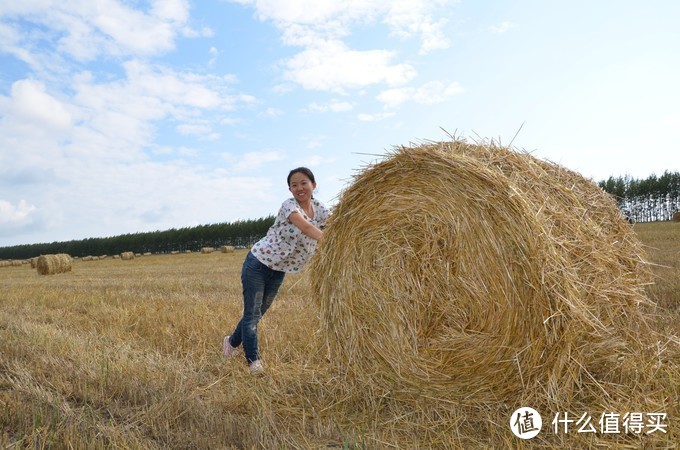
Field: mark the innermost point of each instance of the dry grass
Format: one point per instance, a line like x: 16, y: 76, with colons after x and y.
x: 127, y: 355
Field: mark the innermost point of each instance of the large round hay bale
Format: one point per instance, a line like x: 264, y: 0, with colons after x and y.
x: 207, y: 250
x: 126, y: 256
x: 227, y: 249
x: 53, y: 264
x: 676, y: 216
x: 477, y: 274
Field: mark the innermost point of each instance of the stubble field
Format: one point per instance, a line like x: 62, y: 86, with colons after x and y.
x: 127, y: 354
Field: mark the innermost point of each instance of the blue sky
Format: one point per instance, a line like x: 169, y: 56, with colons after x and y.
x: 128, y: 116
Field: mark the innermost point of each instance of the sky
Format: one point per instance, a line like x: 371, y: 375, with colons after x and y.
x: 126, y: 116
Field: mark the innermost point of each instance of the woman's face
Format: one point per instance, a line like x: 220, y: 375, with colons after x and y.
x: 301, y: 187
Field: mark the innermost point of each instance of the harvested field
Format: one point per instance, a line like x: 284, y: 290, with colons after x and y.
x: 128, y: 355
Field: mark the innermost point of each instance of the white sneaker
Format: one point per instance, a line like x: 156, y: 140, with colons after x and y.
x: 227, y: 349
x: 256, y: 367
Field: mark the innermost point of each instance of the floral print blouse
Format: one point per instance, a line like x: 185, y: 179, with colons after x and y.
x: 285, y: 247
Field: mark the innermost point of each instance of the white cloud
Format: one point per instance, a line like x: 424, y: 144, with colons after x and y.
x: 504, y: 27
x: 214, y: 53
x: 314, y: 141
x: 272, y: 112
x: 121, y: 113
x: 171, y: 151
x: 429, y: 93
x: 254, y: 160
x: 332, y: 106
x: 315, y: 161
x: 171, y: 10
x: 230, y: 121
x: 408, y: 18
x: 172, y: 87
x: 332, y: 66
x: 85, y: 29
x: 374, y: 117
x: 392, y: 98
x: 301, y: 21
x: 14, y: 215
x: 327, y: 62
x: 672, y: 121
x: 201, y: 131
x: 297, y: 11
x: 10, y: 42
x: 87, y: 147
x: 30, y: 103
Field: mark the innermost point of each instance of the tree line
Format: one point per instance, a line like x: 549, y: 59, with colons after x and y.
x: 652, y: 199
x: 646, y: 200
x: 242, y: 233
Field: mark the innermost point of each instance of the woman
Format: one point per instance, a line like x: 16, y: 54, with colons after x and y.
x: 286, y: 248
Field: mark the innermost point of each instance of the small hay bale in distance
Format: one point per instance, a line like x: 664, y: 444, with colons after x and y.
x: 676, y: 216
x: 206, y: 250
x: 227, y: 249
x: 54, y: 264
x: 127, y: 256
x: 476, y: 274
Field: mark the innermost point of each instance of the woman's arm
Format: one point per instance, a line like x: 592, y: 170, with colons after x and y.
x: 304, y: 226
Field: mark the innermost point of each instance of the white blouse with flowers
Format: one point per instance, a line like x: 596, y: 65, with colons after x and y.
x: 285, y: 247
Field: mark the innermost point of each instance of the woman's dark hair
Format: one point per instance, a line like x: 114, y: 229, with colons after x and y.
x: 303, y: 170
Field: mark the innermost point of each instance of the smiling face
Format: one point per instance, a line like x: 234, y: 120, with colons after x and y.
x: 301, y: 187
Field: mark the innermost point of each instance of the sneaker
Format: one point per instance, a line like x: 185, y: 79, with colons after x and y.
x: 256, y: 367
x: 227, y: 349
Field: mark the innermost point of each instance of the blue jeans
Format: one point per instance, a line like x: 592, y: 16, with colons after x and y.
x: 260, y: 285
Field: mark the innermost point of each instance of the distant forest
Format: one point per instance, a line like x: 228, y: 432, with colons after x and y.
x: 238, y: 234
x: 650, y: 200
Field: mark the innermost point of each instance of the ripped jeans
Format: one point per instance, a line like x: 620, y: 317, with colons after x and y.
x: 260, y: 285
